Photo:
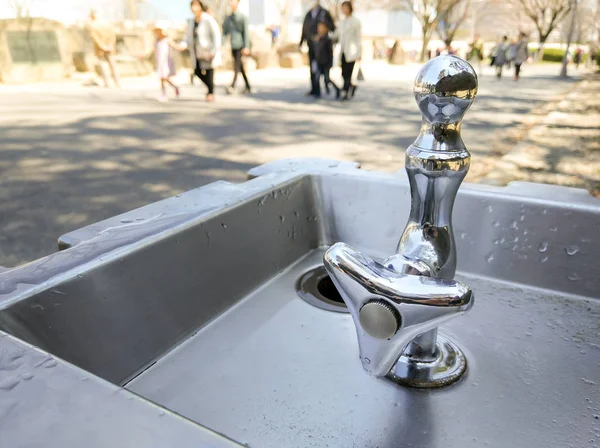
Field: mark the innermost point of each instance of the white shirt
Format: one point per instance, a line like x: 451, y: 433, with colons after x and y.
x: 208, y: 41
x: 349, y: 34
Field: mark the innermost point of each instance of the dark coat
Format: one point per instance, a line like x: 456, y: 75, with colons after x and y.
x: 323, y: 48
x: 309, y: 27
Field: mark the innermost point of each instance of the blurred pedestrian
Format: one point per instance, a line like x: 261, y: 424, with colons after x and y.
x: 309, y: 30
x: 476, y: 52
x: 511, y: 53
x: 323, y: 48
x: 236, y: 26
x: 349, y: 35
x: 500, y: 56
x: 105, y: 43
x: 274, y: 29
x: 165, y: 65
x: 591, y: 60
x: 448, y: 48
x: 521, y: 54
x: 204, y: 42
x: 578, y: 57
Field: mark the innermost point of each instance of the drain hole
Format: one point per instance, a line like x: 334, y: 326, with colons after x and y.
x: 316, y: 288
x: 328, y: 290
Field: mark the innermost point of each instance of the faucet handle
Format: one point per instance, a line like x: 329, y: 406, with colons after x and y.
x: 390, y: 308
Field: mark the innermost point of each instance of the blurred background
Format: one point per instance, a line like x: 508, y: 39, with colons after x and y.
x: 73, y: 152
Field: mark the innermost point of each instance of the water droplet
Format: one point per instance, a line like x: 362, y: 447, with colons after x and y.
x: 463, y: 236
x: 571, y: 250
x: 573, y: 276
x: 496, y: 242
x: 139, y: 219
x: 224, y: 225
x: 178, y: 195
x: 282, y: 218
x: 522, y: 218
x: 297, y: 215
x: 50, y: 363
x: 545, y: 212
x: 490, y: 209
x: 543, y: 260
x: 590, y: 382
x: 161, y: 413
x: 490, y: 258
x: 496, y: 224
x: 126, y: 221
x: 543, y: 247
x: 9, y: 383
x: 27, y: 376
x: 516, y: 239
x: 514, y: 225
x: 554, y: 229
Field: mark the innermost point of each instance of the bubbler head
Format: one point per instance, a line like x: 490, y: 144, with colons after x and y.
x: 444, y: 89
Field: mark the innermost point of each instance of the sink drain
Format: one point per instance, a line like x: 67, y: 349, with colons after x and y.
x: 316, y: 287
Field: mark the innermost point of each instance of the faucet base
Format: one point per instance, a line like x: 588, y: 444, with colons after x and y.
x: 448, y: 367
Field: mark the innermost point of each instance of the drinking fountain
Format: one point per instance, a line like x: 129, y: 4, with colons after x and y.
x: 208, y: 318
x: 397, y: 305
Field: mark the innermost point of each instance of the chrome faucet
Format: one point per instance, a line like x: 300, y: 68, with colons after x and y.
x: 397, y: 305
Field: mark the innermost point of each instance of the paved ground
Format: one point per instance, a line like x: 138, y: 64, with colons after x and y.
x: 71, y: 155
x: 563, y: 148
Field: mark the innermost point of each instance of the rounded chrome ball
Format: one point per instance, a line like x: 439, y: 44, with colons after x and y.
x: 445, y: 88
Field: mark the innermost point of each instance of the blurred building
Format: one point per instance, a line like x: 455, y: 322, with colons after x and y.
x: 490, y: 19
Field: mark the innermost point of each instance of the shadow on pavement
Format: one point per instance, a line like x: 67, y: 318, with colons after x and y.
x: 129, y: 150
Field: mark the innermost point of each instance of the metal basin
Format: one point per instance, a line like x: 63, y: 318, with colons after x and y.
x: 191, y: 303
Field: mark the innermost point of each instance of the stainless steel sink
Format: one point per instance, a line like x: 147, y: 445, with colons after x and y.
x: 190, y: 306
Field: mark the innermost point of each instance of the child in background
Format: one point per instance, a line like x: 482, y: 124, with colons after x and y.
x: 323, y: 59
x: 165, y: 66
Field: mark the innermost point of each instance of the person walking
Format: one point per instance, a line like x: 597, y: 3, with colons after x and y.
x: 323, y: 47
x: 105, y: 42
x: 476, y: 52
x: 521, y: 54
x: 236, y: 26
x: 511, y: 54
x: 349, y: 35
x: 500, y: 56
x: 204, y: 42
x: 309, y: 30
x: 165, y: 65
x: 578, y: 57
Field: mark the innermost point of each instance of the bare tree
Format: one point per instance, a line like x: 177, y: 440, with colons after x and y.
x: 218, y: 9
x: 545, y: 14
x: 21, y: 8
x: 451, y: 18
x: 430, y: 13
x: 284, y: 7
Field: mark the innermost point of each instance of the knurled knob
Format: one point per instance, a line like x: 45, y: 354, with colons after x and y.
x: 380, y: 319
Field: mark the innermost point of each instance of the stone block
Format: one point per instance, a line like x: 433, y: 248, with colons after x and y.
x: 33, y: 50
x: 265, y: 59
x: 397, y: 55
x: 261, y: 40
x: 291, y: 60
